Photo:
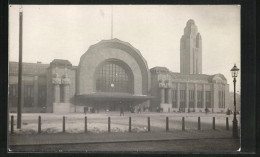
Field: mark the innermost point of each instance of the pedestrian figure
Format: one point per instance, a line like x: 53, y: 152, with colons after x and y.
x: 121, y: 111
x: 139, y: 109
x: 206, y: 110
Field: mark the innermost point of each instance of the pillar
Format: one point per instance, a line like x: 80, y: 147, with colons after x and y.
x: 66, y: 93
x: 162, y: 95
x: 56, y: 93
x: 223, y: 96
x: 56, y: 81
x: 178, y: 95
x: 214, y: 97
x: 66, y: 88
x: 187, y: 96
x: 169, y: 92
x: 195, y: 96
x: 204, y: 97
x: 227, y: 96
x: 35, y: 91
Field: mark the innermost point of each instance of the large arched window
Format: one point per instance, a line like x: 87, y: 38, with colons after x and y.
x: 114, y: 76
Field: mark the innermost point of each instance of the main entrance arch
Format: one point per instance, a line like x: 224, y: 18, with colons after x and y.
x: 112, y: 73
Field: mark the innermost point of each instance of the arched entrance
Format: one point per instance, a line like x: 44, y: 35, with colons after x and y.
x: 114, y: 76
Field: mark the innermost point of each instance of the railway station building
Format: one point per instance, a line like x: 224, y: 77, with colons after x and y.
x: 112, y: 74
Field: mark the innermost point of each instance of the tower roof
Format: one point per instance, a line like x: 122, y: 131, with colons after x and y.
x: 190, y: 22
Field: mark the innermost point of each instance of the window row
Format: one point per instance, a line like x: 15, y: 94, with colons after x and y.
x: 192, y: 98
x: 28, y: 95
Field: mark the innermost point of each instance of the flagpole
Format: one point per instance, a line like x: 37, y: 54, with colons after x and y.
x: 19, y: 107
x: 112, y: 22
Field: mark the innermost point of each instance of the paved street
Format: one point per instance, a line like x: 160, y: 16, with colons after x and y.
x: 198, y: 141
x: 180, y: 145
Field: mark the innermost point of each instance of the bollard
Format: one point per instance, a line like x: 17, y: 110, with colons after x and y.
x: 63, y: 125
x: 39, y: 124
x: 130, y: 124
x: 227, y: 124
x: 108, y: 124
x: 167, y: 124
x: 213, y: 126
x: 12, y: 124
x: 183, y: 124
x: 86, y: 124
x: 149, y: 124
x: 198, y: 123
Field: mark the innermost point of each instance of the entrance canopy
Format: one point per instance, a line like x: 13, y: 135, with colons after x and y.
x: 113, y: 97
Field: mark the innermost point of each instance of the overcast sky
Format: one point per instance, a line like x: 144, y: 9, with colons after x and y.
x: 66, y: 32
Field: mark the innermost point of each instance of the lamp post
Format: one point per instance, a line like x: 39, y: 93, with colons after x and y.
x: 234, y: 73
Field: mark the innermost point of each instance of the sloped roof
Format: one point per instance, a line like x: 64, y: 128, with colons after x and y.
x: 185, y: 77
x: 190, y: 77
x: 158, y: 69
x: 28, y: 68
x: 60, y: 62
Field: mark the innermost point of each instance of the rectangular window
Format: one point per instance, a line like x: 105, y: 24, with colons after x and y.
x: 221, y: 99
x: 42, y: 96
x: 182, y: 98
x: 199, y: 99
x: 28, y: 95
x: 208, y: 99
x: 174, y: 98
x: 191, y: 98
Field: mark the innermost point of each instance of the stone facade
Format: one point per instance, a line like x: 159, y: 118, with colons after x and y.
x: 176, y: 92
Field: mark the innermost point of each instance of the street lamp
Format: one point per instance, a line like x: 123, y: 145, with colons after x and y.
x: 234, y: 73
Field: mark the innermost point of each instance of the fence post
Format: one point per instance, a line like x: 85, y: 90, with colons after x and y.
x: 183, y: 124
x: 167, y: 124
x: 108, y: 124
x: 12, y: 124
x: 63, y: 125
x: 198, y: 123
x: 39, y: 124
x: 86, y: 124
x: 227, y: 124
x: 130, y: 124
x: 149, y: 124
x: 213, y: 126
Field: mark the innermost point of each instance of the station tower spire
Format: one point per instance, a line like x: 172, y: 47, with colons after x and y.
x: 191, y: 50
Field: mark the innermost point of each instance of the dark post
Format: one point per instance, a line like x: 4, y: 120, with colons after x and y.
x: 12, y: 124
x: 227, y: 124
x: 39, y: 124
x: 86, y: 124
x: 183, y: 124
x: 149, y: 129
x: 63, y: 125
x: 235, y: 128
x: 108, y: 124
x: 167, y: 124
x: 234, y: 73
x: 130, y: 129
x: 213, y: 126
x: 19, y: 107
x: 198, y: 123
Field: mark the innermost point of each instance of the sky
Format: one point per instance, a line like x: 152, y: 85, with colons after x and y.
x: 66, y: 32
